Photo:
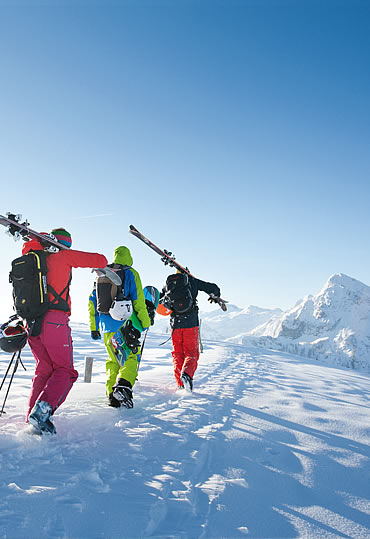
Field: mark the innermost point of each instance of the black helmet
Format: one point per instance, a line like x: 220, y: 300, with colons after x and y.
x: 12, y: 337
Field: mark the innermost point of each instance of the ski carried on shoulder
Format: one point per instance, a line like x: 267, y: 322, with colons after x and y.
x: 23, y: 231
x: 168, y: 259
x: 19, y: 230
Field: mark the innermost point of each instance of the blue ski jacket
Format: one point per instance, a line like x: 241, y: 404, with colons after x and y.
x: 133, y: 290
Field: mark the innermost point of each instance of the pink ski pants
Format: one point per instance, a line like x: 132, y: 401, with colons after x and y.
x: 52, y: 350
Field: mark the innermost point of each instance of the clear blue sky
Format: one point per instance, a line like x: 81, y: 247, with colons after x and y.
x: 234, y: 133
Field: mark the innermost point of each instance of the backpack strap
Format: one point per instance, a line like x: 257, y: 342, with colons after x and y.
x: 122, y: 273
x: 59, y: 303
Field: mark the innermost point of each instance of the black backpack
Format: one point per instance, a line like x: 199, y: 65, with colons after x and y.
x: 179, y: 297
x: 30, y: 293
x: 106, y: 291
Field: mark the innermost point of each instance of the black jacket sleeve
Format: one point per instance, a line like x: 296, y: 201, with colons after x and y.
x: 208, y: 288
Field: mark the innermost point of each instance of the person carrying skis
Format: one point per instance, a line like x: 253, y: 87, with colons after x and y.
x: 121, y: 376
x: 180, y: 296
x: 52, y: 345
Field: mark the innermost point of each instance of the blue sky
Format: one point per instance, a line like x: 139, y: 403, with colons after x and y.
x: 234, y: 133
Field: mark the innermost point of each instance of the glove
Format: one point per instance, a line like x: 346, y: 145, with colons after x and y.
x: 95, y: 335
x: 211, y: 299
x: 131, y: 336
x: 151, y: 311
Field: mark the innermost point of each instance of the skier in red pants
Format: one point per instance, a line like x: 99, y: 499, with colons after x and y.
x: 180, y: 296
x: 51, y: 342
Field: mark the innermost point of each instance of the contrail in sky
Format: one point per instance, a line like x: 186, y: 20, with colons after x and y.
x: 92, y: 216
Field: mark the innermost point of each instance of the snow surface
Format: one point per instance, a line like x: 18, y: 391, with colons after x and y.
x: 268, y: 445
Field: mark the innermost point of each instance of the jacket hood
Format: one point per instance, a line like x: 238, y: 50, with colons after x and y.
x: 122, y: 256
x: 32, y: 245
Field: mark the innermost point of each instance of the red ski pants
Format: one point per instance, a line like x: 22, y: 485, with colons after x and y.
x: 185, y: 353
x: 52, y: 350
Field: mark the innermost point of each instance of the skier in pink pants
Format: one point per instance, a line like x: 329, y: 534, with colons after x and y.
x: 52, y: 350
x: 51, y: 345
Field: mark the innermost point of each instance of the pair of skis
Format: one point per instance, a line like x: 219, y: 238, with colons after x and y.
x: 169, y: 259
x: 23, y: 231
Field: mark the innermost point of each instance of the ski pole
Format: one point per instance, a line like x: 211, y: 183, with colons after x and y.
x: 11, y: 379
x: 141, y: 351
x: 162, y: 343
x: 200, y: 339
x: 7, y: 370
x: 142, y: 346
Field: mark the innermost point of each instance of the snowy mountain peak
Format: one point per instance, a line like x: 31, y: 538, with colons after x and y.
x: 341, y: 282
x: 341, y: 298
x: 334, y: 323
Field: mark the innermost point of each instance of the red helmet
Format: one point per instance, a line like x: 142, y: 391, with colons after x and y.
x: 12, y: 337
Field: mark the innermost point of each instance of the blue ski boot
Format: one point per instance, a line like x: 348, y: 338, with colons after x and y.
x: 40, y: 418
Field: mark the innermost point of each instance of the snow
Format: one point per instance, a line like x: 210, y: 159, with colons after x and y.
x: 268, y: 445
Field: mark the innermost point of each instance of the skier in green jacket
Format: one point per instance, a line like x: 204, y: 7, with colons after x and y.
x: 122, y: 367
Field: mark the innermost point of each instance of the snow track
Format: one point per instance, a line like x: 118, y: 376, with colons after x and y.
x: 268, y: 445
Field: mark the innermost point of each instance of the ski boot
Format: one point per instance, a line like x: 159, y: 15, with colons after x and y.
x: 187, y: 381
x: 40, y: 418
x: 122, y: 392
x: 112, y: 401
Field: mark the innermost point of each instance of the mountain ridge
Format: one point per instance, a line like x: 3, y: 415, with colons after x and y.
x: 332, y: 325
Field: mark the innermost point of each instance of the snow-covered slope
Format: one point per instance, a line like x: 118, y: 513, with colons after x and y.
x: 220, y: 326
x: 269, y: 445
x: 333, y: 325
x: 217, y: 326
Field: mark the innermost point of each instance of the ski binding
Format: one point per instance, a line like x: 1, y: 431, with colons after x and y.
x: 168, y: 259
